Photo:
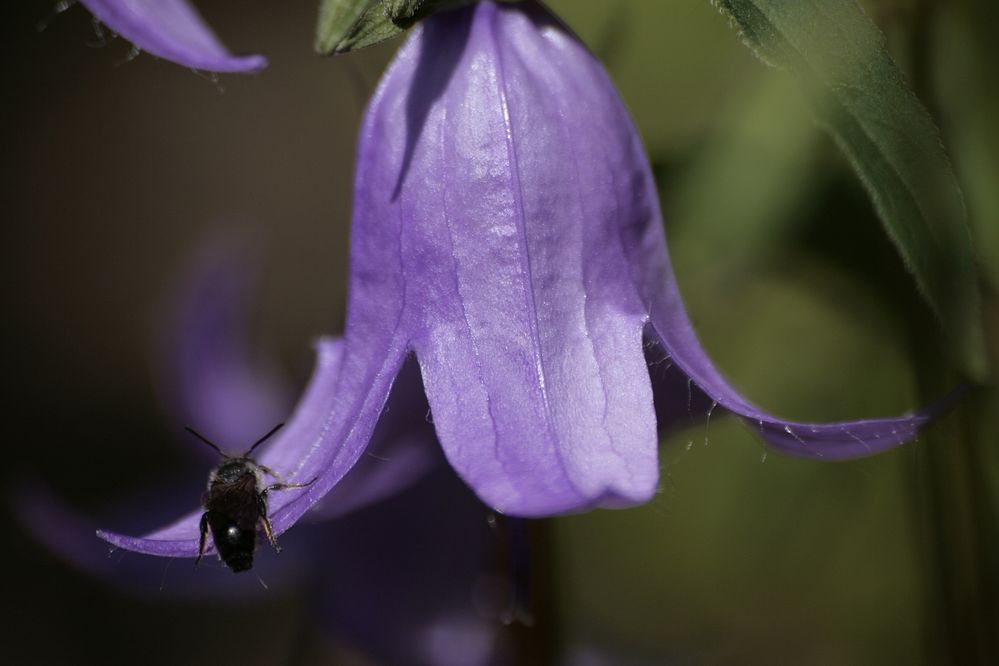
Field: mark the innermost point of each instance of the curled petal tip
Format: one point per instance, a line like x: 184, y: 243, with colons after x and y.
x: 173, y: 30
x: 69, y: 535
x: 179, y: 539
x: 841, y: 440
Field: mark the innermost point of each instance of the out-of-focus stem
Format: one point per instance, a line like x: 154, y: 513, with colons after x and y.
x: 532, y: 619
x: 958, y: 529
x: 953, y: 484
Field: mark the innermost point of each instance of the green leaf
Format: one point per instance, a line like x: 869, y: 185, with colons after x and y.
x: 857, y: 93
x: 347, y: 25
x: 764, y: 123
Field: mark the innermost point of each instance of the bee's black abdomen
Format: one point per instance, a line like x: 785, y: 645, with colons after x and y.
x: 235, y: 544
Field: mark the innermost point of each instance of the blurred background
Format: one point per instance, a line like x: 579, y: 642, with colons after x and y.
x: 115, y: 168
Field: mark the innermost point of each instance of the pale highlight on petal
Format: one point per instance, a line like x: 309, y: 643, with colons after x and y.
x: 173, y: 30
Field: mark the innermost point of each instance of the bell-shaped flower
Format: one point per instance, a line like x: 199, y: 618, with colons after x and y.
x: 171, y: 29
x: 507, y: 233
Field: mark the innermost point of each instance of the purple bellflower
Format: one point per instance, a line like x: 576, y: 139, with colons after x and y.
x: 506, y: 232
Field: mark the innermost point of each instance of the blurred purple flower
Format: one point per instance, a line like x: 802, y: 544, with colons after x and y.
x: 507, y: 232
x: 207, y: 372
x: 171, y: 29
x: 399, y: 565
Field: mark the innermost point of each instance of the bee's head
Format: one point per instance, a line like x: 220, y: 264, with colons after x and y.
x: 232, y: 469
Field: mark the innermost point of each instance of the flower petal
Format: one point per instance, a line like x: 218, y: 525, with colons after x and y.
x: 680, y: 403
x: 671, y: 328
x: 319, y: 442
x: 178, y: 539
x: 831, y: 441
x: 402, y: 451
x: 171, y: 29
x: 70, y: 536
x: 529, y: 330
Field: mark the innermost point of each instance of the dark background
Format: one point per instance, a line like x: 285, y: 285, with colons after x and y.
x: 113, y: 171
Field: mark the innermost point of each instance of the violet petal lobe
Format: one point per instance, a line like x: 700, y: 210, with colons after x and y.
x: 322, y: 442
x: 402, y: 451
x: 215, y: 384
x: 180, y: 538
x: 69, y: 535
x: 173, y: 30
x: 670, y: 326
x: 529, y: 328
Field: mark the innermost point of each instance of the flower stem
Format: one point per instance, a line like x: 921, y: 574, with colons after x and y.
x: 955, y: 485
x: 531, y: 621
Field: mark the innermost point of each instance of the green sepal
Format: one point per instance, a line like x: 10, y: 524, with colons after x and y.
x: 348, y: 25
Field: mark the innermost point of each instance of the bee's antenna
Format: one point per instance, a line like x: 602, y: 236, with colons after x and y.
x: 207, y: 441
x: 263, y: 439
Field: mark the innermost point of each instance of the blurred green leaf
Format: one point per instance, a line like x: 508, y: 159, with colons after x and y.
x: 970, y: 116
x: 857, y: 93
x: 763, y: 123
x: 347, y: 25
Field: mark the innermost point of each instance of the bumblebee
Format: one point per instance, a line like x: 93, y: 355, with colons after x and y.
x: 236, y: 505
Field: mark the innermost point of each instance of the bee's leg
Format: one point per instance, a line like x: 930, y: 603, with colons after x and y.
x: 283, y: 482
x: 270, y: 472
x: 204, y: 537
x: 265, y: 522
x: 286, y: 486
